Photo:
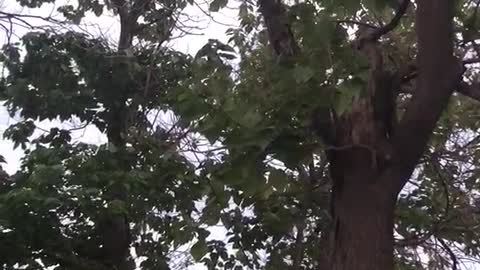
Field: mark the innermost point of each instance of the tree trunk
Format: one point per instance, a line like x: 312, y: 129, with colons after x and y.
x: 370, y: 162
x: 363, y: 215
x: 363, y: 238
x: 114, y: 228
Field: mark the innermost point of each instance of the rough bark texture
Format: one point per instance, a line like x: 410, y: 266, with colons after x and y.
x: 439, y: 73
x: 371, y: 157
x: 363, y: 237
x: 362, y: 214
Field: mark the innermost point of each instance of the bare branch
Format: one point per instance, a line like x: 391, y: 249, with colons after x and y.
x: 470, y: 90
x: 471, y: 61
x: 211, y: 17
x: 450, y: 253
x: 4, y: 15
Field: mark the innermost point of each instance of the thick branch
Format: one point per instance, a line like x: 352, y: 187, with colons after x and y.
x: 470, y: 90
x: 379, y: 32
x: 402, y: 9
x: 279, y: 32
x: 139, y: 7
x: 439, y: 73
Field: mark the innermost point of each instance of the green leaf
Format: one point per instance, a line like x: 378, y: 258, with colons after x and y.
x: 278, y: 179
x: 117, y: 207
x: 350, y: 5
x: 216, y: 5
x: 303, y: 74
x: 211, y: 214
x: 198, y: 250
x: 251, y: 118
x: 97, y: 8
x: 377, y: 5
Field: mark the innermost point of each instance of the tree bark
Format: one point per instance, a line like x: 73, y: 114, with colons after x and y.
x: 439, y: 73
x: 369, y: 161
x: 363, y: 214
x: 363, y: 235
x: 363, y: 226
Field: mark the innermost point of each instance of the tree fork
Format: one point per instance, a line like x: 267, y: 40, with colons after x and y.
x: 363, y: 196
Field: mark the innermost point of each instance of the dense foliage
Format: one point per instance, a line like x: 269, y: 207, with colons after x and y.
x: 220, y: 141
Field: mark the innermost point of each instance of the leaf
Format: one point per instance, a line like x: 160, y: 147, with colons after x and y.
x: 278, y: 179
x: 52, y: 202
x: 117, y: 207
x: 251, y: 118
x: 216, y: 5
x: 211, y: 214
x: 219, y: 191
x: 303, y: 74
x: 198, y: 250
x: 243, y: 11
x: 97, y: 8
x: 351, y: 5
x: 377, y: 5
x: 267, y: 193
x: 203, y: 234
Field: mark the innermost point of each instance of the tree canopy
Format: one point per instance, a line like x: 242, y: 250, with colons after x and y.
x: 276, y: 138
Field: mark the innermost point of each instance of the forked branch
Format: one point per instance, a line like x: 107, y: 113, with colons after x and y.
x: 439, y: 74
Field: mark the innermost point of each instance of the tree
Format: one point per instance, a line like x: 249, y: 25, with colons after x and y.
x: 79, y: 206
x: 371, y: 154
x: 297, y: 138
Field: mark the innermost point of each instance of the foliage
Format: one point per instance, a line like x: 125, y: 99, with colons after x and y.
x: 242, y: 156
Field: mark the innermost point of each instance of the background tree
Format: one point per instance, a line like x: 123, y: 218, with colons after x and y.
x: 296, y: 139
x: 78, y: 206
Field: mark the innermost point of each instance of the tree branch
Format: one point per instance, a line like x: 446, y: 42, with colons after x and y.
x: 469, y: 90
x: 139, y: 7
x: 356, y: 23
x: 379, y: 32
x: 439, y: 73
x: 450, y: 252
x: 279, y: 32
x: 471, y: 60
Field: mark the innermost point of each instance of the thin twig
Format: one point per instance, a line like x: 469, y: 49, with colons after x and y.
x: 356, y: 23
x: 450, y: 253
